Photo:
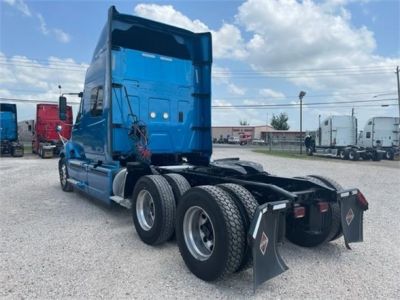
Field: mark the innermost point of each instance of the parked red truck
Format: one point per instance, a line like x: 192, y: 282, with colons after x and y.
x: 46, y: 141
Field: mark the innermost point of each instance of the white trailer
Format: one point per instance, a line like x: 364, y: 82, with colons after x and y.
x: 383, y: 133
x: 337, y: 137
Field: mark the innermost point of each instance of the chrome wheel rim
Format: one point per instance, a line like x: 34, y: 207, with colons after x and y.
x: 341, y: 154
x: 63, y: 175
x: 351, y: 155
x: 145, y: 210
x: 198, y: 232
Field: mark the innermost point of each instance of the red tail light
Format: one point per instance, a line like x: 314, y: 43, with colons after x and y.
x: 299, y: 212
x: 362, y: 200
x: 323, y: 206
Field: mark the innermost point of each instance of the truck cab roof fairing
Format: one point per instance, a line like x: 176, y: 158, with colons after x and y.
x: 132, y: 32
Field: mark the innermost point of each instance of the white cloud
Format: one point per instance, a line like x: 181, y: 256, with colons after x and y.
x: 57, y: 33
x: 289, y: 35
x: 227, y: 41
x: 24, y: 78
x: 236, y: 90
x: 20, y: 5
x: 222, y: 76
x: 43, y: 25
x: 271, y: 93
x: 168, y: 14
x: 61, y: 36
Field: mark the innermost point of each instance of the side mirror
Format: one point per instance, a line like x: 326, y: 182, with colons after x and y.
x: 58, y: 128
x: 62, y: 108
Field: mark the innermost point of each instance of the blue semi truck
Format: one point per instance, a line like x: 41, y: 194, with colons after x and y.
x: 9, y: 143
x: 142, y: 139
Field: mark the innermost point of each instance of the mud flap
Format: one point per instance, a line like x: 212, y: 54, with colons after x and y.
x: 351, y: 216
x: 263, y: 237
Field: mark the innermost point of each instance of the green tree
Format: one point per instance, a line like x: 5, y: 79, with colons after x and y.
x: 279, y: 122
x: 244, y: 123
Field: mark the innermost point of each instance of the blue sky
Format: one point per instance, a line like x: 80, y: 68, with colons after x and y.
x: 265, y: 52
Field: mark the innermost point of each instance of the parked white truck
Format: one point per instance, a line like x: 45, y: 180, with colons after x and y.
x: 337, y: 137
x: 381, y: 132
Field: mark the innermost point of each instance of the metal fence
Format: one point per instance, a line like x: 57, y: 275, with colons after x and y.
x: 272, y: 144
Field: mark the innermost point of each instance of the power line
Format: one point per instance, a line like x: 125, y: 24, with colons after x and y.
x: 36, y: 60
x: 33, y: 101
x: 354, y: 68
x: 273, y: 76
x: 238, y: 74
x: 313, y: 96
x: 322, y: 106
x: 296, y: 104
x: 261, y: 106
x: 46, y: 67
x: 294, y: 71
x: 249, y: 97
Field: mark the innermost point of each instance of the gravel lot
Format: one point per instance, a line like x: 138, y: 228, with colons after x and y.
x: 56, y: 245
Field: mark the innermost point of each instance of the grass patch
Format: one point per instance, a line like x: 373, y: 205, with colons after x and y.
x: 285, y: 154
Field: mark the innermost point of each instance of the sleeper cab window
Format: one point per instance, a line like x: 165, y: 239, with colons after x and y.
x: 368, y: 135
x: 96, y: 101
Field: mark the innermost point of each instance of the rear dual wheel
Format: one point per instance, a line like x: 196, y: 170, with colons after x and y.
x: 353, y: 155
x: 210, y: 232
x: 389, y: 155
x: 211, y: 222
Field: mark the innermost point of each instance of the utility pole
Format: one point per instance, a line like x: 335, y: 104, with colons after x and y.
x: 301, y: 95
x: 398, y: 88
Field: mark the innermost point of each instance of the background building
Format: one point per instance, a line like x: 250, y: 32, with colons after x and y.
x: 262, y: 132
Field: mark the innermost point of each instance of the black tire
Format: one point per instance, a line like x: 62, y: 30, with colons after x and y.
x: 376, y: 156
x: 179, y: 185
x: 335, y: 185
x: 21, y: 154
x: 163, y: 209
x: 63, y: 172
x: 227, y: 232
x: 298, y: 233
x: 389, y: 155
x: 353, y: 155
x: 342, y: 154
x: 247, y: 205
x: 346, y: 154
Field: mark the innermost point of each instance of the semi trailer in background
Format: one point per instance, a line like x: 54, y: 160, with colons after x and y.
x: 142, y: 139
x: 337, y: 137
x: 46, y: 140
x: 382, y: 133
x: 9, y: 143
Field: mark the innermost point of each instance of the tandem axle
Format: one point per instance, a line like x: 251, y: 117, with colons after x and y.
x: 142, y: 138
x: 256, y: 212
